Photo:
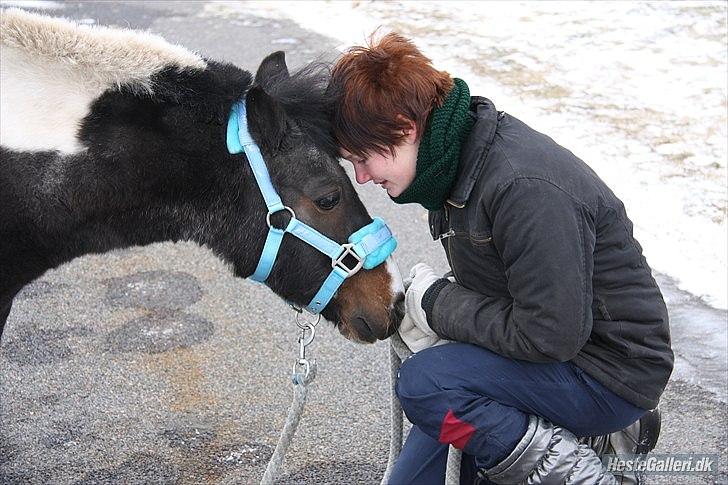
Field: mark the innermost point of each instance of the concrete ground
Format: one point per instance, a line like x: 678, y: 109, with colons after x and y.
x: 156, y: 365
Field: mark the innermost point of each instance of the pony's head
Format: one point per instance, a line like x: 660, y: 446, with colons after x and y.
x: 126, y: 134
x: 289, y: 119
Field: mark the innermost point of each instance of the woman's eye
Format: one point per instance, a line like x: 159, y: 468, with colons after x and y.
x: 328, y: 202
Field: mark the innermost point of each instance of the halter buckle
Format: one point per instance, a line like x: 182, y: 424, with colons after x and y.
x: 348, y: 250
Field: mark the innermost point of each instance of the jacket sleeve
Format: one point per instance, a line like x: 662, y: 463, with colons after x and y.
x: 546, y: 240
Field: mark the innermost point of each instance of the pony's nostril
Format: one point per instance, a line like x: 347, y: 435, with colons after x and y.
x: 363, y: 329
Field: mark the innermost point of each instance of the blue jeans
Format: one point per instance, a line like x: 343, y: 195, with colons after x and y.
x: 480, y: 402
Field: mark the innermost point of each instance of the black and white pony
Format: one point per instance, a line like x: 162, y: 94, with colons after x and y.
x: 112, y: 138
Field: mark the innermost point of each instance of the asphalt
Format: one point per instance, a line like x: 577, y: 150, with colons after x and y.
x: 156, y: 365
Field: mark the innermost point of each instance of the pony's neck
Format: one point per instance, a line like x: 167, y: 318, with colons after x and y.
x: 163, y: 171
x: 103, y: 204
x: 132, y: 194
x: 153, y: 169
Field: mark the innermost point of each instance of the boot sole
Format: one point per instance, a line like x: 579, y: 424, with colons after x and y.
x: 650, y: 425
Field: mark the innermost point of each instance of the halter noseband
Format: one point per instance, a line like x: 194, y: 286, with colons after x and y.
x: 370, y: 246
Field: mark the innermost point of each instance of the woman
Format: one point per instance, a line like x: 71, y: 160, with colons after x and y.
x: 559, y: 329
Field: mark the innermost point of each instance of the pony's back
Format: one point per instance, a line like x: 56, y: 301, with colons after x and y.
x: 51, y: 70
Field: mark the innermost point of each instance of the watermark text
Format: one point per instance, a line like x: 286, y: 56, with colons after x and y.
x: 662, y: 463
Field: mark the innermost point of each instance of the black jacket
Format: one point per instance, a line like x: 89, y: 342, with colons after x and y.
x: 546, y: 265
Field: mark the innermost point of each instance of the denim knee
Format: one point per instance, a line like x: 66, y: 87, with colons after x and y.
x: 416, y: 378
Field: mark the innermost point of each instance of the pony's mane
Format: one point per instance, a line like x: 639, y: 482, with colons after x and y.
x: 103, y: 56
x: 304, y: 98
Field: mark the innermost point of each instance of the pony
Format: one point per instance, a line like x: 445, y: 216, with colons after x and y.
x: 111, y: 138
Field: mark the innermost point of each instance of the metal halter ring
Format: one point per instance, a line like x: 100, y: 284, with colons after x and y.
x: 339, y: 261
x: 286, y: 208
x: 306, y: 322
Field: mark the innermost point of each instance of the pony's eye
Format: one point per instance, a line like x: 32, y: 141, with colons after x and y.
x: 328, y: 202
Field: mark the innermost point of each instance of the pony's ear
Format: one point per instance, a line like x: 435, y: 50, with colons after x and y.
x: 266, y: 118
x: 272, y: 67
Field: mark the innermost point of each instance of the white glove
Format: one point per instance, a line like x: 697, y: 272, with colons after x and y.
x: 422, y: 278
x: 414, y: 329
x: 415, y: 338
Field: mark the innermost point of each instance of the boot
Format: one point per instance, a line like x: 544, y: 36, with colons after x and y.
x: 639, y: 438
x: 549, y: 455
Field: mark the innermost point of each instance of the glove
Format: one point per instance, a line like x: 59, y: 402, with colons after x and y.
x: 415, y: 338
x: 422, y: 278
x: 414, y: 329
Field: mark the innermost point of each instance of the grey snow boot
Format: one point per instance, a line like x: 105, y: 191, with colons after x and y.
x: 639, y: 438
x: 549, y: 455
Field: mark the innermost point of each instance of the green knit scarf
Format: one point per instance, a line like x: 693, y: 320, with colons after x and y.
x: 437, y: 158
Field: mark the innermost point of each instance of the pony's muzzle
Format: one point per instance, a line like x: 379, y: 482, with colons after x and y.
x: 371, y: 333
x: 363, y: 330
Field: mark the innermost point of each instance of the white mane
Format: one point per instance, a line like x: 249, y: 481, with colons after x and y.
x: 52, y: 69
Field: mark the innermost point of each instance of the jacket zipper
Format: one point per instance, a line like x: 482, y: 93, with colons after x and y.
x: 449, y: 233
x: 448, y: 246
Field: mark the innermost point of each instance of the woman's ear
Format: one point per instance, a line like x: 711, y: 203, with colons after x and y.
x: 409, y: 132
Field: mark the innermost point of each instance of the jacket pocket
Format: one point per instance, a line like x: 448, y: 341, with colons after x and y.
x: 483, y: 246
x: 481, y: 239
x: 608, y: 334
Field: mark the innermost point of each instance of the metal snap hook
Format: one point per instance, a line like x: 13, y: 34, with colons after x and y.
x: 305, y: 364
x: 304, y: 340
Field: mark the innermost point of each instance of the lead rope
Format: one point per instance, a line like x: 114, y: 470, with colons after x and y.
x: 398, y: 353
x: 304, y: 372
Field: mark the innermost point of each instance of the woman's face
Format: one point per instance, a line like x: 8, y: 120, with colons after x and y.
x: 394, y: 172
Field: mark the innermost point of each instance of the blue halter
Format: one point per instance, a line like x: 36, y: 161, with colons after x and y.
x: 370, y: 246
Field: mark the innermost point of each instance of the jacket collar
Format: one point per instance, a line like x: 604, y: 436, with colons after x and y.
x: 474, y: 150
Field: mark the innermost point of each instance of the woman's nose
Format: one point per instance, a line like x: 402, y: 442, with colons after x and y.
x: 362, y: 176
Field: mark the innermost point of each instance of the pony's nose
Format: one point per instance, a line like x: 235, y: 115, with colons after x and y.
x: 363, y: 330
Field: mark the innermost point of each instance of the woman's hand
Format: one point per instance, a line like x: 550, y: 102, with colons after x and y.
x: 414, y: 337
x: 414, y: 329
x: 422, y: 277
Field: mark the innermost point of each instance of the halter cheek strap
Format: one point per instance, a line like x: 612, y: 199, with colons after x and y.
x: 369, y: 247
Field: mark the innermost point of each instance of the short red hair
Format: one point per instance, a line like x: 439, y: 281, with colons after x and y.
x: 375, y: 86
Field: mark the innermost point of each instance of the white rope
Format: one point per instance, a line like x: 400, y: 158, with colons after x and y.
x: 454, y: 458
x: 395, y: 415
x: 398, y: 353
x: 300, y: 393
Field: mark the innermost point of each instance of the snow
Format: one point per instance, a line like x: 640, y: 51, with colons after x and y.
x: 636, y: 89
x: 34, y: 4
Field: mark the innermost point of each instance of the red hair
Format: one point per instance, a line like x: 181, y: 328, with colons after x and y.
x: 379, y: 89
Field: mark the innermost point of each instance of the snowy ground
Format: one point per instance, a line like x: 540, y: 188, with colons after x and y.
x: 77, y: 408
x: 637, y: 90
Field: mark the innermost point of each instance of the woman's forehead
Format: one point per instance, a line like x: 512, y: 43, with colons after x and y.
x: 346, y: 154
